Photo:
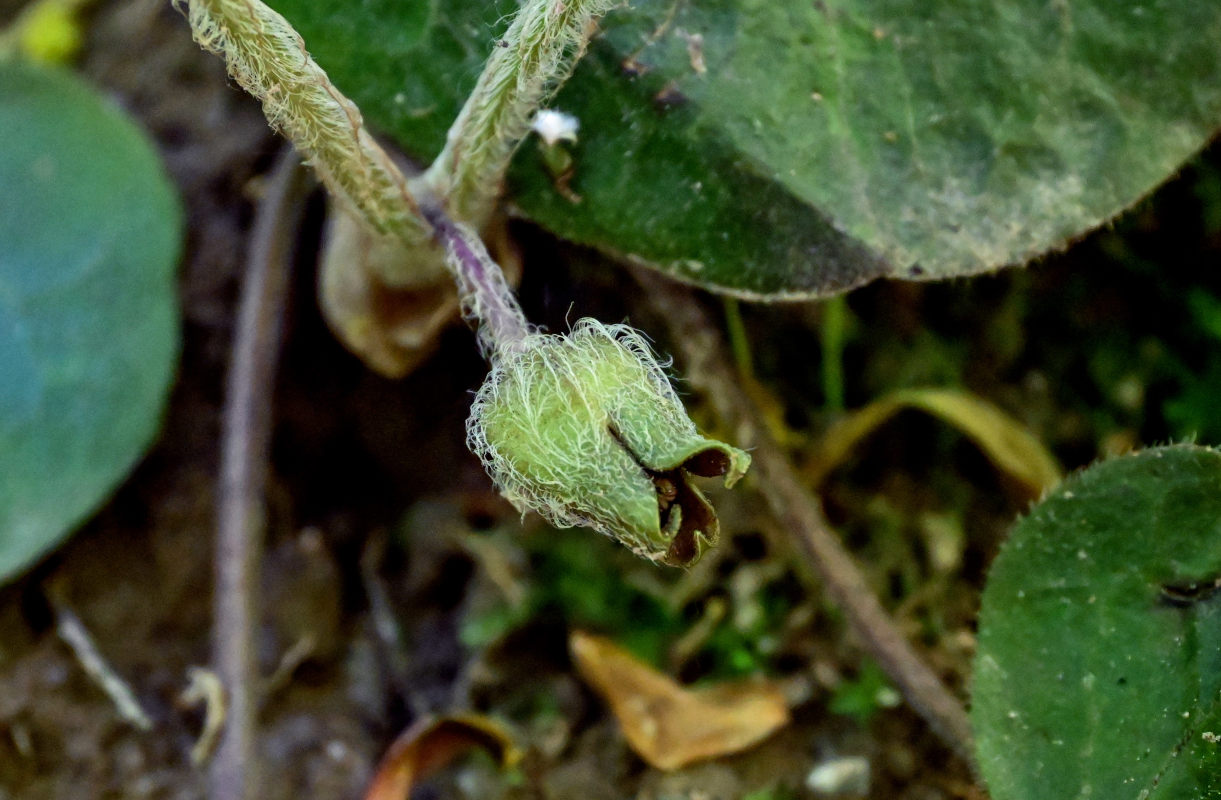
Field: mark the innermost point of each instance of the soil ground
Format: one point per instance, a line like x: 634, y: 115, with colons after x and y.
x: 373, y: 494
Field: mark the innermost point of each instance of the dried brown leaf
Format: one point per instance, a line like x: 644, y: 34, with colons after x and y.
x: 668, y: 725
x: 392, y: 325
x: 429, y: 745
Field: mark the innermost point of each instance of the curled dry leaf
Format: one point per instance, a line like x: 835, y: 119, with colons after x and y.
x: 1004, y: 440
x: 668, y: 725
x: 430, y: 744
x: 385, y: 305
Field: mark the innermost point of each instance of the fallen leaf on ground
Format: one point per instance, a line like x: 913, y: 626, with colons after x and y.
x: 668, y: 725
x: 1004, y: 440
x: 429, y: 745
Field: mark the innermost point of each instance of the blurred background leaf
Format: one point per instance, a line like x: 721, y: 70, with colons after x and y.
x: 89, y: 236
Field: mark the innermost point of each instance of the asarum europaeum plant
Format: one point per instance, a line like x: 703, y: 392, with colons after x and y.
x: 583, y: 428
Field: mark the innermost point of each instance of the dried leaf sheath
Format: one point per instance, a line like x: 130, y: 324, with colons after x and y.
x: 267, y: 57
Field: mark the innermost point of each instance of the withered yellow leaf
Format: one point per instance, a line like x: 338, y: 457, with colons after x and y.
x: 1004, y: 440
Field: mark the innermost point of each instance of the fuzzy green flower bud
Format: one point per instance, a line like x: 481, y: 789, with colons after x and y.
x: 586, y: 429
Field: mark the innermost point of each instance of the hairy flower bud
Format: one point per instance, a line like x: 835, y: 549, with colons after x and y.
x: 585, y: 429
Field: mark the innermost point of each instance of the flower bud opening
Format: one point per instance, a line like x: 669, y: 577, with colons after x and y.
x: 586, y: 429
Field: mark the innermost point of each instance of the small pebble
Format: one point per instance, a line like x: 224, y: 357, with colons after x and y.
x: 847, y: 776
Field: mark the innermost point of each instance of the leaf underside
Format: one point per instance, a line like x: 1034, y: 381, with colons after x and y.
x: 787, y: 150
x: 1099, y: 665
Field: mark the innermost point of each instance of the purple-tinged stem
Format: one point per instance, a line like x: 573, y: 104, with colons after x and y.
x: 485, y: 295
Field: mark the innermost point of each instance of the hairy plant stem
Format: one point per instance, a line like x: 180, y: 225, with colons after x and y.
x: 246, y: 434
x: 536, y: 55
x: 267, y: 57
x: 708, y: 370
x: 483, y: 291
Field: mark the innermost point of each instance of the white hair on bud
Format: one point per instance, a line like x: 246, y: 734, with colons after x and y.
x: 552, y: 403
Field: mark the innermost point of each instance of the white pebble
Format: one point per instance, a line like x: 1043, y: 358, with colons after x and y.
x: 848, y: 775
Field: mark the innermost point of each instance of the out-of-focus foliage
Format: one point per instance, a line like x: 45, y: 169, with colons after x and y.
x: 587, y: 582
x: 864, y: 695
x: 89, y: 236
x: 1010, y: 446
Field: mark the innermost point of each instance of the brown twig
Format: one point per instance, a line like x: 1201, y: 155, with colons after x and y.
x: 245, y: 441
x: 708, y: 368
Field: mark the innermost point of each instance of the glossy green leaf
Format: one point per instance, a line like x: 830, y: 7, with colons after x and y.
x: 1099, y: 666
x: 791, y: 149
x: 89, y: 237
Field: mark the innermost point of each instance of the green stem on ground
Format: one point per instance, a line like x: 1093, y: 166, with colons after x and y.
x: 738, y: 343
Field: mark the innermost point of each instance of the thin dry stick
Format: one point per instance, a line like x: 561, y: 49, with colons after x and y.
x: 708, y: 369
x: 244, y: 453
x: 74, y: 634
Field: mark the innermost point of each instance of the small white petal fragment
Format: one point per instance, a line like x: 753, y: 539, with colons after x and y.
x: 555, y: 126
x: 695, y: 50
